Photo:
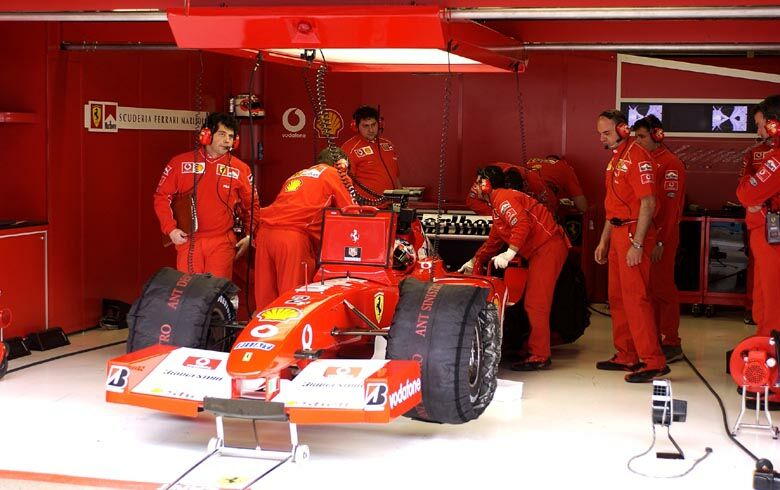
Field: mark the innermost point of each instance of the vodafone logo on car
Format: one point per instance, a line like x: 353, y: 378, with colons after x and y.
x: 405, y: 391
x: 202, y: 362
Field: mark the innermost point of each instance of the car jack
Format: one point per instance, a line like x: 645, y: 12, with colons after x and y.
x: 253, y: 410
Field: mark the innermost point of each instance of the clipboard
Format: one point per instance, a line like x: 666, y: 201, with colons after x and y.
x: 183, y: 209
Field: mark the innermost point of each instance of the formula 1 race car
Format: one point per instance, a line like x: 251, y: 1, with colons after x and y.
x: 311, y: 349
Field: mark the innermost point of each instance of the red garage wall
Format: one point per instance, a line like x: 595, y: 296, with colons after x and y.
x: 95, y: 189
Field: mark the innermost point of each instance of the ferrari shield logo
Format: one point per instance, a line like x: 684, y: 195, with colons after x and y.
x: 379, y: 306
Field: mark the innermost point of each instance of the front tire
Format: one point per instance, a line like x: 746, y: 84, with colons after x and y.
x: 455, y: 333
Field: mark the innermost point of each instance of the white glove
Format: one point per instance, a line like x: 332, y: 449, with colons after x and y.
x: 468, y: 267
x: 502, y: 260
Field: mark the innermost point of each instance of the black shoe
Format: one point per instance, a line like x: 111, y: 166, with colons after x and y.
x: 533, y: 363
x: 673, y: 353
x: 611, y: 365
x: 646, y: 375
x: 749, y: 318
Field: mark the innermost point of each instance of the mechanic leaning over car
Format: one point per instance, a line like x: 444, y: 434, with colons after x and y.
x: 373, y: 159
x: 560, y: 179
x: 670, y: 200
x: 290, y: 227
x: 529, y: 230
x: 625, y: 244
x: 759, y: 193
x: 517, y: 178
x: 222, y: 189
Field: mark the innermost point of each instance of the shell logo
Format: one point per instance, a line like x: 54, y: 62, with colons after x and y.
x: 279, y: 314
x: 293, y: 185
x: 331, y: 120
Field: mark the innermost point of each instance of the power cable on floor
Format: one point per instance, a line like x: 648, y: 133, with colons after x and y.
x: 43, y: 361
x: 707, y: 452
x: 722, y: 409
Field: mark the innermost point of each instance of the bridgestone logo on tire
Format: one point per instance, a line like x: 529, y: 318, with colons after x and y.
x: 404, y: 392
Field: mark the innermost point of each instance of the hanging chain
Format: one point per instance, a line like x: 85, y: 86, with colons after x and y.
x: 521, y: 117
x: 445, y: 127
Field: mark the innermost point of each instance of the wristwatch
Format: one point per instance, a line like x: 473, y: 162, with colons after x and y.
x: 636, y: 245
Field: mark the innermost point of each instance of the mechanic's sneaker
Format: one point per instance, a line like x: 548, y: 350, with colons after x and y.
x: 748, y: 319
x: 646, y: 375
x: 673, y: 353
x: 612, y: 365
x: 532, y: 363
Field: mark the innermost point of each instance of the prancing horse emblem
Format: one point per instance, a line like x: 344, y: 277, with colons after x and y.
x: 355, y: 236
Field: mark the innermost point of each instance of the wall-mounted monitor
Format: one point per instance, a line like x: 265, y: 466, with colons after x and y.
x: 698, y: 118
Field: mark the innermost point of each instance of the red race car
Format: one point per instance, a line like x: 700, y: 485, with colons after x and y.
x: 312, y: 348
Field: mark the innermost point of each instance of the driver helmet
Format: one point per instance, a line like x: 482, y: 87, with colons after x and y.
x: 404, y: 255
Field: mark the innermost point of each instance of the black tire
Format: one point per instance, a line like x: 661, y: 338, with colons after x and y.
x: 220, y: 335
x: 459, y: 348
x: 4, y: 360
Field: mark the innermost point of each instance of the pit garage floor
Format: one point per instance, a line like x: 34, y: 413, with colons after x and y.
x: 574, y: 427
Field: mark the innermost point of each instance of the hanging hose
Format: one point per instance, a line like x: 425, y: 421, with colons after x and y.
x: 445, y: 127
x: 196, y: 147
x: 520, y: 116
x: 319, y: 105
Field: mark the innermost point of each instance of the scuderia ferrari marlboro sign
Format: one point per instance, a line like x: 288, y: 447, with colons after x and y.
x: 110, y: 117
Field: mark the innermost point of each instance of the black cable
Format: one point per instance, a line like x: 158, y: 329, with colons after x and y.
x: 521, y: 116
x: 722, y: 409
x: 253, y: 176
x: 194, y: 204
x: 443, y: 150
x: 43, y: 361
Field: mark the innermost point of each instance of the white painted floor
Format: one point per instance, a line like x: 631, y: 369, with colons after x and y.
x: 575, y: 427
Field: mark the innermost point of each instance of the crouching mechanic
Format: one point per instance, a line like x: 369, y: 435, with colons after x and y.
x: 529, y: 230
x: 291, y: 226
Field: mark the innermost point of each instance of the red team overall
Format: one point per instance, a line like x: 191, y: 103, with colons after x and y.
x: 625, y: 243
x: 373, y: 160
x: 670, y: 199
x: 559, y: 177
x: 533, y: 185
x: 290, y: 228
x: 529, y: 230
x: 222, y: 182
x: 759, y: 192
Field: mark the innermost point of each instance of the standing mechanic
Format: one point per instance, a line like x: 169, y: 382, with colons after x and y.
x: 759, y: 192
x: 530, y: 230
x: 217, y: 190
x: 291, y: 227
x: 752, y: 160
x: 560, y: 179
x: 625, y: 243
x: 670, y: 197
x: 373, y: 159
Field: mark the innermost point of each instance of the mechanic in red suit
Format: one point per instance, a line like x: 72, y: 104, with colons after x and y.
x: 222, y: 184
x: 560, y: 179
x: 626, y: 242
x: 670, y: 200
x: 529, y: 230
x: 760, y: 193
x: 373, y: 159
x: 752, y: 160
x: 290, y: 227
x: 525, y: 181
